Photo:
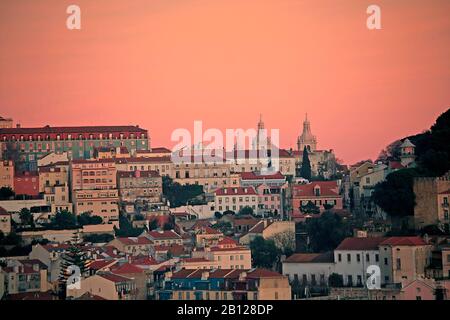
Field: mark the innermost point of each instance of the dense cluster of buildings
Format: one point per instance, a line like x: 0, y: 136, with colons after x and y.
x: 201, y: 250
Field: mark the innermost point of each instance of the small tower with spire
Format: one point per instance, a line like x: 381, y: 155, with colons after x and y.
x: 307, y: 139
x: 407, y: 156
x: 262, y: 141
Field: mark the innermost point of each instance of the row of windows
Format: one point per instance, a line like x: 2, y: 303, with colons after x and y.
x: 74, y: 137
x: 358, y: 257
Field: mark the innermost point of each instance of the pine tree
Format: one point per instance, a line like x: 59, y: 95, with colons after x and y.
x: 305, y: 171
x: 74, y: 256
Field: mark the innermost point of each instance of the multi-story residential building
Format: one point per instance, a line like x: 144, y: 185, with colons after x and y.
x: 310, y: 269
x: 51, y: 175
x: 7, y: 174
x: 107, y: 285
x: 166, y: 237
x: 255, y: 179
x: 432, y: 201
x: 132, y: 245
x: 319, y: 193
x: 206, y: 236
x: 162, y: 165
x: 227, y: 254
x: 5, y: 221
x: 353, y: 256
x: 271, y: 200
x: 142, y: 185
x: 94, y: 188
x: 26, y: 183
x: 51, y: 255
x: 154, y: 152
x: 282, y: 232
x: 25, y: 276
x: 225, y: 284
x: 403, y: 259
x: 79, y: 142
x: 57, y: 197
x: 141, y: 277
x: 235, y: 199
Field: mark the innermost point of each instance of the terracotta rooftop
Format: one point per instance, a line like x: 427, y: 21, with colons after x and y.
x: 327, y: 257
x: 80, y: 129
x: 404, y: 241
x: 327, y: 188
x: 126, y: 268
x: 114, y: 277
x: 360, y: 243
x: 166, y: 234
x: 235, y: 191
x: 254, y: 176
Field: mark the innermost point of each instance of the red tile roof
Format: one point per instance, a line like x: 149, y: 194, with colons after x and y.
x: 135, y: 241
x: 235, y: 191
x: 166, y: 234
x: 404, y: 241
x: 100, y: 264
x: 445, y: 192
x: 227, y: 241
x: 254, y: 176
x: 327, y: 188
x: 262, y: 273
x: 360, y: 243
x: 114, y: 277
x: 327, y: 257
x: 3, y: 212
x: 80, y: 129
x: 207, y: 230
x: 126, y: 268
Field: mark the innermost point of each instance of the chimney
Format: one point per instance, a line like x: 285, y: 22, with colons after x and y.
x: 243, y: 276
x: 205, y: 275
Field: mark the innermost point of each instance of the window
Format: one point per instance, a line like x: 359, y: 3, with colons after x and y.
x: 377, y: 257
x: 339, y: 257
x: 350, y: 280
x: 399, y: 264
x: 349, y: 257
x: 385, y: 261
x: 367, y: 257
x: 358, y: 257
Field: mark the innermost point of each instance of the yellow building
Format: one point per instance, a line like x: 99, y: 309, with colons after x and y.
x: 7, y: 174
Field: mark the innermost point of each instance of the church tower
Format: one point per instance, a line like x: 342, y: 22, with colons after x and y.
x: 307, y: 139
x: 262, y: 140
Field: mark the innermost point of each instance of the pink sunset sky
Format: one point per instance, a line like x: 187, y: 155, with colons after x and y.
x: 162, y: 64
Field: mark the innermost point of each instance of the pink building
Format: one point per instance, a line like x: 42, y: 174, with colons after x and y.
x: 320, y: 193
x: 26, y: 183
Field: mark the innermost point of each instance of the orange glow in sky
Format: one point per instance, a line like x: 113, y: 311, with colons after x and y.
x: 164, y: 63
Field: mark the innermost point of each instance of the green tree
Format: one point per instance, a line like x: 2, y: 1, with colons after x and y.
x: 6, y: 193
x: 178, y: 194
x: 26, y: 217
x: 224, y: 227
x: 73, y: 257
x: 126, y: 228
x: 310, y: 208
x: 305, y: 171
x: 395, y: 195
x: 335, y: 280
x: 153, y: 225
x: 265, y: 253
x: 327, y: 231
x: 246, y: 211
x: 87, y: 219
x: 217, y: 215
x: 64, y: 220
x: 98, y: 238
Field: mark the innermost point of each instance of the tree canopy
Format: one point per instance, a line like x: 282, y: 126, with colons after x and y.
x: 264, y: 252
x: 178, y: 194
x: 327, y: 231
x: 305, y: 171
